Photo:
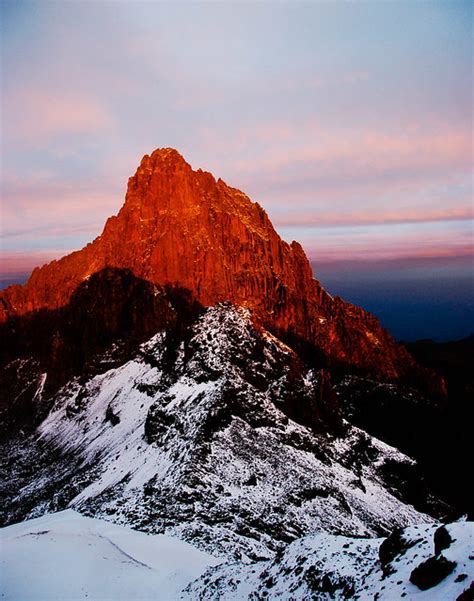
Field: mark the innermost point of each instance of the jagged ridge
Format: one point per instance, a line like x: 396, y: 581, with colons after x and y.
x: 183, y: 228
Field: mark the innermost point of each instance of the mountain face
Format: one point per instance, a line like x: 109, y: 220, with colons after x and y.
x: 183, y: 229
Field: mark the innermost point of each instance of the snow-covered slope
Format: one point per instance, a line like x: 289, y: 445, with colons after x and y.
x: 69, y: 556
x: 326, y: 567
x: 193, y: 438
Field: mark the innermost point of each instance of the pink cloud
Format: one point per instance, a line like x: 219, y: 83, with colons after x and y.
x: 12, y: 262
x: 364, y: 217
x: 381, y: 244
x: 37, y: 114
x: 44, y: 205
x: 364, y: 153
x: 371, y: 253
x: 405, y: 172
x: 387, y: 264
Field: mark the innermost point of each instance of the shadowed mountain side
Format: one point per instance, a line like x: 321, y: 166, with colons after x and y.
x: 453, y: 360
x: 439, y: 434
x: 184, y: 229
x: 111, y: 307
x: 113, y: 312
x: 102, y: 327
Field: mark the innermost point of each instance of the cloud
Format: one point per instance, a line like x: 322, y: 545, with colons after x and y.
x: 45, y: 211
x: 358, y: 153
x: 12, y: 262
x: 391, y: 242
x: 299, y: 111
x: 405, y: 171
x: 359, y: 218
x: 38, y: 115
x: 403, y: 251
x: 346, y: 267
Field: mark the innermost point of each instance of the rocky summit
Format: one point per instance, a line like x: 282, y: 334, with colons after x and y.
x: 183, y: 229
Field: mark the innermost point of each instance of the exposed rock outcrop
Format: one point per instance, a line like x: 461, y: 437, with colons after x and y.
x: 182, y: 228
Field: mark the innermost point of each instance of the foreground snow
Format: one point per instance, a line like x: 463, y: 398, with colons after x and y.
x: 327, y: 567
x: 68, y: 556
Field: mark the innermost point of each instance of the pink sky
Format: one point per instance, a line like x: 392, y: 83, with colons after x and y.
x: 353, y: 133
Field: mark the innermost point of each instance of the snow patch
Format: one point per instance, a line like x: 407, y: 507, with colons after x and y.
x: 69, y: 556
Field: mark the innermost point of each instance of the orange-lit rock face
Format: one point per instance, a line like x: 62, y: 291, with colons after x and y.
x: 182, y: 227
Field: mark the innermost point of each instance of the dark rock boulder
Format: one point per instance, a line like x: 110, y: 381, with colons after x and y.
x: 468, y: 594
x: 431, y: 572
x: 442, y: 540
x: 393, y: 546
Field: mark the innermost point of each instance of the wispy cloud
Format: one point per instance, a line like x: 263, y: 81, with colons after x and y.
x: 390, y: 242
x: 361, y: 218
x: 45, y: 211
x: 12, y: 262
x: 357, y: 153
x: 37, y: 115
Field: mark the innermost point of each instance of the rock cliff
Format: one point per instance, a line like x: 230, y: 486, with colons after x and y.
x: 182, y: 228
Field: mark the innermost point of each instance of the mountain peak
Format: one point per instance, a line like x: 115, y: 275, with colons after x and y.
x: 160, y: 156
x: 167, y: 152
x: 161, y: 164
x: 183, y: 229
